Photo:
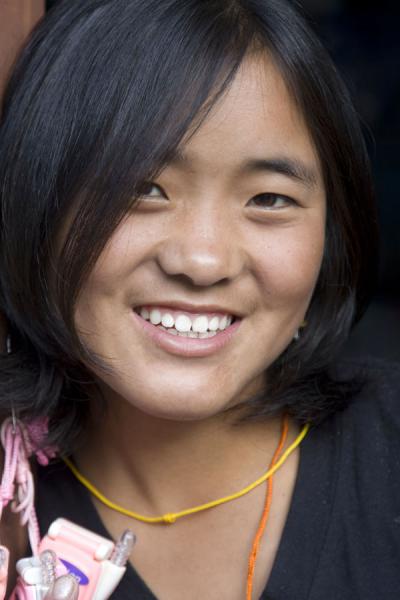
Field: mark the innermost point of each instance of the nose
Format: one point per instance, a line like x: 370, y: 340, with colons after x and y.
x: 202, y: 248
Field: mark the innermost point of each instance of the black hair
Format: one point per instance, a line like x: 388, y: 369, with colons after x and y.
x: 99, y: 98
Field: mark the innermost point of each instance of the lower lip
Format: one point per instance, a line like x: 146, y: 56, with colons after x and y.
x: 183, y: 346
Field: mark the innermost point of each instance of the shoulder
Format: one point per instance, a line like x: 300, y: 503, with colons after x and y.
x: 378, y: 392
x: 369, y: 427
x: 356, y: 456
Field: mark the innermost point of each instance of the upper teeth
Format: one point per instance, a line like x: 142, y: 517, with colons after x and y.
x: 183, y: 322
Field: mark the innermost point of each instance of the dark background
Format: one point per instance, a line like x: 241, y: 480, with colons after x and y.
x: 363, y: 38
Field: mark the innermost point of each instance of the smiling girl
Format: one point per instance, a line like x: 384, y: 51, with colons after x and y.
x: 188, y: 236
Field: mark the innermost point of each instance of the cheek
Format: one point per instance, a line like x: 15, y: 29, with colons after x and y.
x: 289, y: 264
x: 116, y: 260
x: 128, y: 248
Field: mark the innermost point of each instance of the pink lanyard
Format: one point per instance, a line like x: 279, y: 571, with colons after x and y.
x: 97, y: 564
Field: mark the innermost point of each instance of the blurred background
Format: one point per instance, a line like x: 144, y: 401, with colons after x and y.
x: 363, y: 38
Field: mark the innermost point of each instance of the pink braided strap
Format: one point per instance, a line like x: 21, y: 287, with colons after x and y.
x: 17, y: 485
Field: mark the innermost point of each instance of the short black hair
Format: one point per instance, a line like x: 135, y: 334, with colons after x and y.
x: 99, y: 98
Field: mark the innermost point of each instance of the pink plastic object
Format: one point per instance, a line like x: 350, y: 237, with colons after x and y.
x: 37, y: 575
x: 24, y: 592
x: 4, y: 556
x: 86, y: 556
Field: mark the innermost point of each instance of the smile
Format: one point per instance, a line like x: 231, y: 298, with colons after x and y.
x: 187, y: 333
x: 185, y: 324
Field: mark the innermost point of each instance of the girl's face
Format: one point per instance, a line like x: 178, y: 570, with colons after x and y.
x: 233, y: 227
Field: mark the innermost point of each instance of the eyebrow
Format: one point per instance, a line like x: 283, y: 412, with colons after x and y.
x: 290, y: 167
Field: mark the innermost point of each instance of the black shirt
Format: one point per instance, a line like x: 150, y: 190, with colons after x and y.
x: 341, y: 540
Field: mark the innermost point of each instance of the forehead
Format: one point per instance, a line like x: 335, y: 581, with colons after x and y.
x: 256, y: 117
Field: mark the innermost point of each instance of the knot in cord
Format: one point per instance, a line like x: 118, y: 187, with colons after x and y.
x: 169, y: 518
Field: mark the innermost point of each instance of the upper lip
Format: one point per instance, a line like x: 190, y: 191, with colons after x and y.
x: 193, y: 308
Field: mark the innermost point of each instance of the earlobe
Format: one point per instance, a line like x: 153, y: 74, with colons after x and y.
x: 297, y: 335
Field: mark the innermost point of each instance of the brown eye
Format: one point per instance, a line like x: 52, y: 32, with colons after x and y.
x: 150, y: 190
x: 271, y: 201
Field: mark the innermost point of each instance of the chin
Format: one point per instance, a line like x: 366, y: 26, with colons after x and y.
x: 192, y: 411
x: 193, y: 400
x: 178, y: 406
x: 180, y: 415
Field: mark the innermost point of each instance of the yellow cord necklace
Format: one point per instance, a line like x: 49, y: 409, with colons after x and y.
x: 172, y: 517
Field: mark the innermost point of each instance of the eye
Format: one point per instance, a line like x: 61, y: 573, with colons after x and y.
x: 151, y: 190
x: 272, y: 201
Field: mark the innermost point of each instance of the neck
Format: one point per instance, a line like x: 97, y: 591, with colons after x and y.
x: 155, y: 466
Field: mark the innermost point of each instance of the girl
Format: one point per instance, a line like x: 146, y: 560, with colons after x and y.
x: 188, y: 236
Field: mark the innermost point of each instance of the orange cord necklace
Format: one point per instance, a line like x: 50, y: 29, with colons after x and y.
x: 265, y: 514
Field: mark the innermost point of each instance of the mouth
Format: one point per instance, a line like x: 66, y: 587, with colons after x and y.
x: 187, y: 332
x: 186, y: 324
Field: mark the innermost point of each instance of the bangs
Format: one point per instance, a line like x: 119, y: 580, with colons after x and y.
x: 116, y: 88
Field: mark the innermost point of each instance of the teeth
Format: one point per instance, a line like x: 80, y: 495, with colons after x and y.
x: 189, y: 334
x: 200, y: 324
x: 144, y: 313
x: 213, y: 324
x: 183, y: 324
x: 155, y: 317
x: 223, y: 322
x: 167, y: 320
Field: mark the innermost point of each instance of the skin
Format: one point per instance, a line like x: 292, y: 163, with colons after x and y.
x: 205, y: 235
x: 203, y: 242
